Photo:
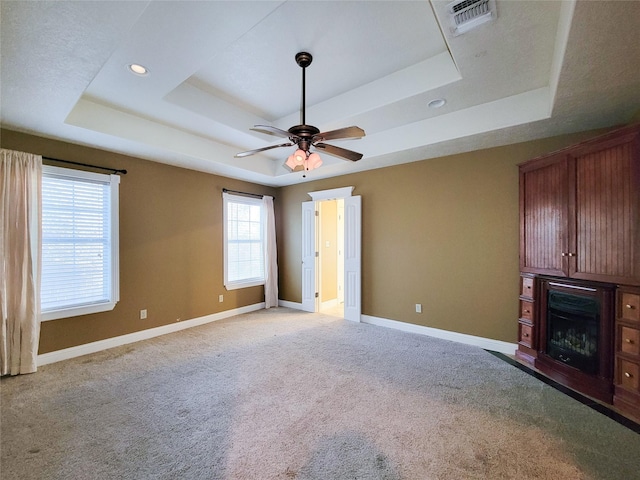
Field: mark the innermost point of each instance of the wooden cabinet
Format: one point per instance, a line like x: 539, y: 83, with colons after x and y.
x: 580, y: 211
x: 527, y: 331
x: 580, y: 223
x: 627, y: 365
x: 544, y: 216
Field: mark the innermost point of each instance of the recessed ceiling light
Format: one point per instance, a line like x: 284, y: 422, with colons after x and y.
x: 138, y: 69
x: 437, y: 103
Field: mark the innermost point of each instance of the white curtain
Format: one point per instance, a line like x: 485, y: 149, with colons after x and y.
x: 20, y: 232
x: 271, y: 255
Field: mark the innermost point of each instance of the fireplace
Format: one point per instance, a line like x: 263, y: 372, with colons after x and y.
x: 576, y: 341
x: 572, y: 330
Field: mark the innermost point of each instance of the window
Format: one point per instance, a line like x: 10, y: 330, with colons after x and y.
x: 243, y: 241
x: 79, y: 242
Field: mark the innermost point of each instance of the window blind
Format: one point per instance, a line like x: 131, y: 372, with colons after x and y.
x: 76, y: 240
x: 244, y: 241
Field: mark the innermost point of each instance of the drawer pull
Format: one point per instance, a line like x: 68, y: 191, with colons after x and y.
x: 629, y: 306
x: 527, y: 311
x: 628, y: 375
x: 525, y: 335
x: 628, y: 340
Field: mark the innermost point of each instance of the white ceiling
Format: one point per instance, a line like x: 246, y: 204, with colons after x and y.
x: 217, y: 68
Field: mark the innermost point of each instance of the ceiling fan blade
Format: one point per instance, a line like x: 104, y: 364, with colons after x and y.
x: 339, y: 152
x: 258, y: 150
x: 347, y: 132
x: 268, y: 129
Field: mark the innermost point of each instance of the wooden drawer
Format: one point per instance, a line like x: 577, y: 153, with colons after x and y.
x: 525, y: 335
x: 629, y: 340
x: 628, y: 375
x: 526, y: 310
x: 526, y: 287
x: 629, y: 306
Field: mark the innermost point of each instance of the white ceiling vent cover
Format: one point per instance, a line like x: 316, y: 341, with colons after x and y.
x: 468, y: 14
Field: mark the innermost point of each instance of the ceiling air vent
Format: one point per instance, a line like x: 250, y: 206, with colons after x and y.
x: 468, y: 14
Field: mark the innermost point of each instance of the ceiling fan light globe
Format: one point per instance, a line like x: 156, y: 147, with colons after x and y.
x: 300, y: 156
x: 314, y: 161
x: 291, y: 162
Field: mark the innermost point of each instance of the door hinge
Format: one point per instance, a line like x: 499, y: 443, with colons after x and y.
x: 317, y: 213
x: 317, y: 254
x: 317, y: 294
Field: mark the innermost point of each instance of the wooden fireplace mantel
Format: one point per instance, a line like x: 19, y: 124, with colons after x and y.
x: 580, y: 222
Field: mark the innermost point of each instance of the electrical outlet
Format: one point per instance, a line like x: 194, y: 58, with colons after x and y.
x: 143, y: 314
x: 418, y: 308
x: 220, y: 298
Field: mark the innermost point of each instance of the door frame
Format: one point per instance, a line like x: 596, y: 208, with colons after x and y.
x: 352, y: 289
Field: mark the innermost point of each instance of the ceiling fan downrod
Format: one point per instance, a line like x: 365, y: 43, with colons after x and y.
x: 303, y: 59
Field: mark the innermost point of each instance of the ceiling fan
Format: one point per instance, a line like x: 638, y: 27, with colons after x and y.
x: 307, y: 136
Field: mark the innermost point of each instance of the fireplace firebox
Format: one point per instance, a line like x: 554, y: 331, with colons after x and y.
x: 572, y: 330
x: 576, y: 341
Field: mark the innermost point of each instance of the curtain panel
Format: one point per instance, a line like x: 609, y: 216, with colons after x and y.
x: 20, y: 260
x: 271, y: 255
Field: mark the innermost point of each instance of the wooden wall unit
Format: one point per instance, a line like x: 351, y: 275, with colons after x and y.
x: 580, y: 219
x: 579, y: 210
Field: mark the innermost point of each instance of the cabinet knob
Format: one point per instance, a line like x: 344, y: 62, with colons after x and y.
x: 564, y: 254
x: 628, y: 375
x: 527, y: 311
x: 525, y: 334
x: 571, y: 254
x: 629, y: 306
x: 628, y: 340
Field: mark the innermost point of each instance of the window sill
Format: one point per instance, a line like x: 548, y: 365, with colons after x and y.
x: 77, y: 311
x: 238, y: 285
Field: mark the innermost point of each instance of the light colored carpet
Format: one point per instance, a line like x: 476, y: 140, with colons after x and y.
x: 280, y: 394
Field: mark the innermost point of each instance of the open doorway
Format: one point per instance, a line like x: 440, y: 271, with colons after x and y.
x: 330, y: 247
x: 350, y: 251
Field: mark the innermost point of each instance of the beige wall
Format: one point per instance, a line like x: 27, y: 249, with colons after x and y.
x: 441, y: 232
x: 170, y: 245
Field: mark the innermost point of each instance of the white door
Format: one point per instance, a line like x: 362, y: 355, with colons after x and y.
x: 309, y: 299
x: 352, y: 253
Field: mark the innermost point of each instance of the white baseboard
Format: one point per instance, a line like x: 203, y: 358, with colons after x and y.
x: 482, y: 342
x: 288, y: 304
x: 93, y: 347
x: 485, y: 343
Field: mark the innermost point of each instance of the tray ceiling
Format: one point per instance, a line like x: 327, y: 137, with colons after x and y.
x: 216, y: 68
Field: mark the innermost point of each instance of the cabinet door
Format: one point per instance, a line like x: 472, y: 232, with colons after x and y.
x: 544, y: 216
x: 605, y: 246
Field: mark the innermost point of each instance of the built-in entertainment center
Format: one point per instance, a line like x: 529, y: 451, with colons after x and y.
x: 579, y: 318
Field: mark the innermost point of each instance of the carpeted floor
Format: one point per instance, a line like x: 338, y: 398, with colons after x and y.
x: 280, y: 394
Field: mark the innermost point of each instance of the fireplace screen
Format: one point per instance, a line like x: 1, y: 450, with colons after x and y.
x: 572, y: 330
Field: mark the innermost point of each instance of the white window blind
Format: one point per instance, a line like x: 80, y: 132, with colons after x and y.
x: 79, y: 242
x: 243, y: 241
